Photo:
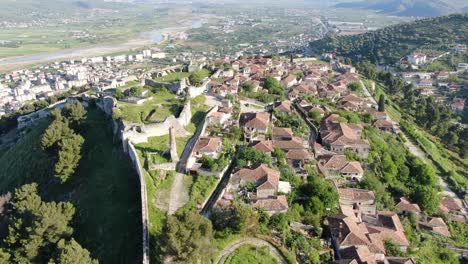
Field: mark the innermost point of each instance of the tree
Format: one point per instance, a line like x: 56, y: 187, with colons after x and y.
x: 247, y: 218
x: 75, y: 113
x: 69, y: 156
x: 355, y: 87
x: 427, y: 197
x: 118, y: 94
x: 57, y: 130
x: 196, y: 78
x: 280, y: 222
x: 135, y: 91
x: 248, y: 87
x: 71, y: 252
x: 189, y: 237
x: 36, y: 226
x: 315, y: 115
x: 381, y: 103
x: 273, y: 86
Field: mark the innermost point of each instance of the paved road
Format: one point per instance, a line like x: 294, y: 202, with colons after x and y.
x: 229, y: 249
x: 178, y: 195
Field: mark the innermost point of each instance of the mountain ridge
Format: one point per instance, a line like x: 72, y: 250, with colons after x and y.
x: 412, y: 8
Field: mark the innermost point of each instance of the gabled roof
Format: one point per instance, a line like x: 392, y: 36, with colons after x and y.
x: 405, y: 206
x: 282, y: 132
x: 207, y: 144
x: 278, y: 203
x: 356, y: 195
x: 264, y: 176
x: 255, y: 120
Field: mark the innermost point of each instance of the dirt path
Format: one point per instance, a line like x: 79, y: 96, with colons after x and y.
x: 178, y: 195
x: 231, y: 248
x: 416, y: 151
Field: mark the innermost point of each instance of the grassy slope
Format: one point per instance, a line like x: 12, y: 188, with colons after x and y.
x: 25, y: 161
x: 104, y: 190
x: 107, y: 197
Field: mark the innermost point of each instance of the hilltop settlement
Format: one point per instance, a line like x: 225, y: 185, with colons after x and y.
x: 300, y: 152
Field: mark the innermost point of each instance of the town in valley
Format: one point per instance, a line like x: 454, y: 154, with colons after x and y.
x: 239, y: 133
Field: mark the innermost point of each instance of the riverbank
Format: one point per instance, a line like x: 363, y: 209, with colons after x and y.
x: 147, y: 38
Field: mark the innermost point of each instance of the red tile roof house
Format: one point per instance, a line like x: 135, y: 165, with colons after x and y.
x: 208, y: 146
x: 284, y: 106
x: 335, y: 166
x: 385, y: 125
x: 265, y: 178
x: 357, y: 201
x: 371, y: 233
x: 352, y: 102
x: 255, y: 125
x: 457, y: 105
x: 435, y: 225
x: 267, y: 182
x: 272, y: 205
x: 289, y: 81
x: 218, y: 119
x: 453, y: 208
x: 339, y: 137
x: 282, y: 133
x: 405, y: 206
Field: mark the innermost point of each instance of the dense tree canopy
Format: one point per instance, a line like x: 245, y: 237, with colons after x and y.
x: 36, y: 227
x: 388, y: 44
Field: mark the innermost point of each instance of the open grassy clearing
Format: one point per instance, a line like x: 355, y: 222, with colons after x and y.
x: 173, y: 77
x: 250, y: 254
x: 163, y: 105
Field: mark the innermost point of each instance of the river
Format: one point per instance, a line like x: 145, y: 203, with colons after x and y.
x: 146, y: 38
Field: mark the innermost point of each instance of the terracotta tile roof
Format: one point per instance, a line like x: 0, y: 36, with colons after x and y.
x: 361, y: 253
x: 290, y: 78
x: 262, y: 175
x: 207, y: 144
x: 334, y: 162
x: 353, y: 167
x: 436, y: 225
x: 277, y: 204
x: 356, y: 195
x: 265, y: 146
x: 383, y: 124
x: 294, y: 143
x: 405, y: 206
x: 298, y: 154
x: 255, y: 120
x: 284, y: 106
x: 451, y: 204
x: 283, y: 132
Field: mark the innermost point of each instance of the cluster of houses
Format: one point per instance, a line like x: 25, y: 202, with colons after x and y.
x: 359, y: 233
x: 437, y: 84
x: 27, y: 85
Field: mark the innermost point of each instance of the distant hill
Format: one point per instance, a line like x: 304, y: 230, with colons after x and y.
x: 417, y: 8
x: 388, y: 44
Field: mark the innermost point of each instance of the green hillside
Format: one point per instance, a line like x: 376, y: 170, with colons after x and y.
x: 104, y: 189
x: 417, y: 8
x: 387, y: 45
